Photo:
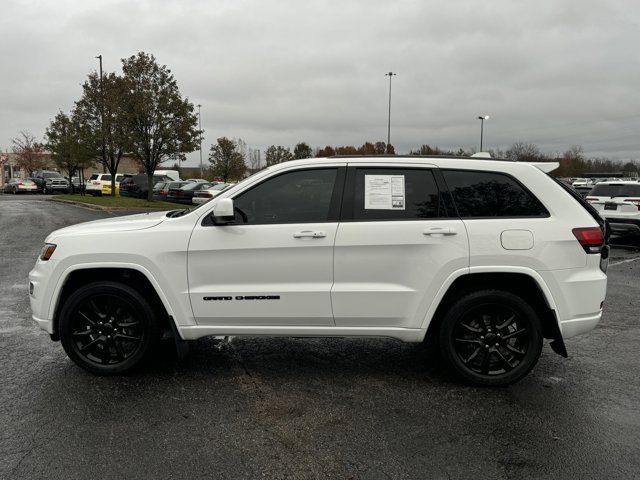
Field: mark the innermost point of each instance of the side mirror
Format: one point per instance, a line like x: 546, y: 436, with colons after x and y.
x: 223, y: 211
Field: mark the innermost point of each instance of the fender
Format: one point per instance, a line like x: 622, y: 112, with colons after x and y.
x: 551, y: 303
x: 186, y: 319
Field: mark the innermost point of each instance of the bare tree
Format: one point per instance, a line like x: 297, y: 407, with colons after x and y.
x: 30, y: 153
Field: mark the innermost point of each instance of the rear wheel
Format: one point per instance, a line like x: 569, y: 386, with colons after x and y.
x: 107, y: 327
x: 491, y: 337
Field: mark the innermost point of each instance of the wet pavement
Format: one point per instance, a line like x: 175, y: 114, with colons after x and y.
x: 296, y: 408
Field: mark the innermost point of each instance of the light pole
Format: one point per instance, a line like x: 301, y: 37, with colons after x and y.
x: 390, y: 74
x: 104, y: 146
x: 200, y: 135
x: 482, y: 118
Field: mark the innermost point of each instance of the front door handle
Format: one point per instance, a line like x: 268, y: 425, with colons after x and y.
x: 439, y: 231
x: 309, y: 234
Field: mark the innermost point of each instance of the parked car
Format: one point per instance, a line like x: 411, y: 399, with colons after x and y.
x: 207, y: 194
x: 97, y: 181
x: 487, y: 257
x: 197, y: 180
x: 137, y: 185
x: 49, y: 182
x: 619, y: 203
x: 161, y: 189
x: 20, y: 185
x: 184, y: 193
x: 172, y: 174
x: 582, y: 182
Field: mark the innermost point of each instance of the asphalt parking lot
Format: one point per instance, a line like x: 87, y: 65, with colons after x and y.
x: 295, y: 408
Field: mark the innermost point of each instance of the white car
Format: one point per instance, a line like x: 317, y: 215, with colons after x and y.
x: 487, y: 257
x: 207, y: 194
x: 95, y: 183
x: 582, y: 182
x: 619, y: 203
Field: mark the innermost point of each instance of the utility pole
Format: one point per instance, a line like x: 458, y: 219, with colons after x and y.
x: 390, y: 74
x: 200, y: 128
x: 104, y: 146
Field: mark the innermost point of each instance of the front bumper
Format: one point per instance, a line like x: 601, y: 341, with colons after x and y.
x: 41, y: 291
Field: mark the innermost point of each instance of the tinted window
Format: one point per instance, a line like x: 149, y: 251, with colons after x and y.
x: 488, y: 194
x: 616, y: 190
x: 51, y: 175
x: 410, y: 194
x: 106, y: 178
x: 295, y: 197
x: 93, y: 177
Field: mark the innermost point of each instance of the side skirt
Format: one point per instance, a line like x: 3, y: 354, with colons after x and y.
x: 414, y: 335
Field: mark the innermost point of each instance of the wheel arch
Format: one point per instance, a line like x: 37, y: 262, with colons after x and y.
x: 135, y: 276
x: 521, y: 281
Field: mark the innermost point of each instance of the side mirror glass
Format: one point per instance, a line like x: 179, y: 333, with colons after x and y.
x: 223, y: 211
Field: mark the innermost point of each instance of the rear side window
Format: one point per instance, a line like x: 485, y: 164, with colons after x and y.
x: 616, y: 190
x: 489, y: 194
x: 396, y: 194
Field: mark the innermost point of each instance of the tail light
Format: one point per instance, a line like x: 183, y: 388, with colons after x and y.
x: 635, y: 201
x: 21, y: 184
x: 591, y: 238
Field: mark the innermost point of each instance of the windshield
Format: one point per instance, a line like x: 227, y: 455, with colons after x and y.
x: 52, y: 175
x: 616, y: 190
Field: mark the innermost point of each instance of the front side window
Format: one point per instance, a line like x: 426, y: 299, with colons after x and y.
x: 303, y: 196
x: 490, y: 194
x: 106, y: 178
x: 396, y: 194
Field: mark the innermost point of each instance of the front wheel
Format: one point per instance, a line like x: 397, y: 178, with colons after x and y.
x: 491, y: 337
x: 107, y: 327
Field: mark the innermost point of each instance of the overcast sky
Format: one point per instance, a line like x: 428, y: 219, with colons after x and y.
x: 553, y: 72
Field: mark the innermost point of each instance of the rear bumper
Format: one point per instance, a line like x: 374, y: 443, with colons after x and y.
x: 579, y: 295
x: 576, y: 326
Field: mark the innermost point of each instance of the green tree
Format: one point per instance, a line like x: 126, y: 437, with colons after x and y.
x: 279, y: 154
x: 67, y: 142
x: 227, y: 161
x: 302, y: 150
x: 101, y: 111
x: 160, y: 124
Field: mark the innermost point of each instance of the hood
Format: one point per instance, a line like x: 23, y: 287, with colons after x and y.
x: 116, y: 224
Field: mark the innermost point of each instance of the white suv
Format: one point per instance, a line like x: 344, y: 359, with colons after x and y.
x: 486, y: 258
x: 619, y: 203
x: 95, y: 183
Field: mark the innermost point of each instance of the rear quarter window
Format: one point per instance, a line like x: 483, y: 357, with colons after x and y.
x: 480, y: 194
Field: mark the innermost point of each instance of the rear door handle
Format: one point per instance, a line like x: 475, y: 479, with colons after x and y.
x: 439, y: 231
x: 309, y: 234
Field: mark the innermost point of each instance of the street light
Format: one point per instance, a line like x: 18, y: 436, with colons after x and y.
x: 390, y: 74
x: 482, y: 118
x: 200, y: 135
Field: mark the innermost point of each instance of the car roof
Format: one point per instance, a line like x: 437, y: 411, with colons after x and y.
x: 620, y: 182
x: 442, y: 161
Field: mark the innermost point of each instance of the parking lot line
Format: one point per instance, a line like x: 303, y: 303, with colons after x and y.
x: 624, y: 261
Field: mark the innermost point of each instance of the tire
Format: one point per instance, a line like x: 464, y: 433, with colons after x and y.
x: 491, y: 338
x: 107, y: 328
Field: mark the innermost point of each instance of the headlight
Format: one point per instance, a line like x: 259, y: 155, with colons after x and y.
x: 47, y: 251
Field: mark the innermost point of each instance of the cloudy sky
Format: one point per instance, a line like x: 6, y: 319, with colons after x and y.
x: 553, y: 72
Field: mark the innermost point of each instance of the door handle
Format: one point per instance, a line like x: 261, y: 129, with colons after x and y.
x: 439, y: 231
x: 309, y: 234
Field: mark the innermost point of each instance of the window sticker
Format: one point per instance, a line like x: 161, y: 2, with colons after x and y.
x: 384, y: 192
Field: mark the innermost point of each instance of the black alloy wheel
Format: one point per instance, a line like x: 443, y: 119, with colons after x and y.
x: 107, y: 327
x: 491, y: 337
